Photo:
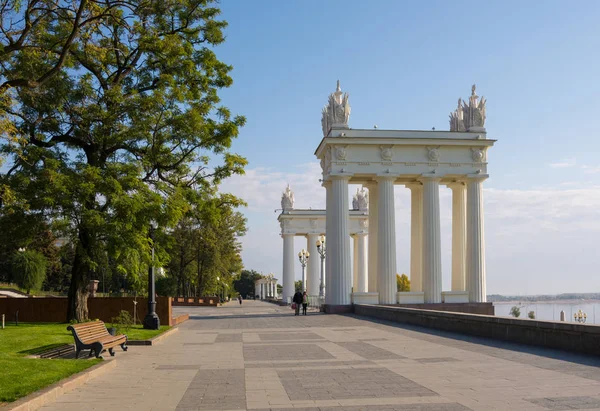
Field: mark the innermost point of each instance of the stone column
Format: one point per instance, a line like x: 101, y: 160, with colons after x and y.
x: 361, y: 261
x: 328, y: 240
x: 432, y: 254
x: 313, y: 267
x: 275, y: 289
x: 386, y: 233
x: 355, y: 263
x: 288, y: 267
x: 338, y: 247
x: 475, y: 261
x: 416, y: 240
x: 373, y: 225
x: 459, y: 241
x: 262, y: 291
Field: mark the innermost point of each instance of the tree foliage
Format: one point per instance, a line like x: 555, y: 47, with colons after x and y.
x: 166, y: 286
x: 515, y: 311
x: 205, y: 246
x: 244, y: 284
x: 29, y: 269
x: 116, y: 123
x: 531, y: 315
x: 402, y: 282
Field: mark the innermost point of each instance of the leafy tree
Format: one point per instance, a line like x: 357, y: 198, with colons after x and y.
x: 515, y: 311
x: 244, y: 284
x: 115, y: 110
x: 205, y: 246
x: 29, y: 269
x: 531, y: 315
x: 298, y: 285
x: 402, y: 282
x: 166, y: 286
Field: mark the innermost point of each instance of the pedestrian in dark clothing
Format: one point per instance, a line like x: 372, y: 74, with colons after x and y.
x: 304, y: 302
x: 297, y: 300
x: 240, y: 299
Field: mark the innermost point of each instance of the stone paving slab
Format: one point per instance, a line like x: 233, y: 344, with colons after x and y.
x: 259, y: 356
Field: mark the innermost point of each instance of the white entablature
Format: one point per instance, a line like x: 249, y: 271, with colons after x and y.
x: 406, y: 154
x: 305, y: 222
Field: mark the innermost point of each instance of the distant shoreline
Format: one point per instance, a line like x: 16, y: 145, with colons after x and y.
x: 557, y: 301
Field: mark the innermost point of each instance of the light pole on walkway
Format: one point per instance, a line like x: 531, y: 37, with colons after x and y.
x: 151, y: 320
x: 322, y: 251
x: 303, y: 256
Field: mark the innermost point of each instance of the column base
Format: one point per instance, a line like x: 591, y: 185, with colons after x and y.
x: 365, y: 298
x: 410, y: 297
x: 455, y: 296
x: 338, y: 309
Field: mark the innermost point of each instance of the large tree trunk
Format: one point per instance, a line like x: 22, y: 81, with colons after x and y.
x: 78, y: 290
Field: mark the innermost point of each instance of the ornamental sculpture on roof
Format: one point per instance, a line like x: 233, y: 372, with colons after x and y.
x: 287, y: 199
x: 471, y: 116
x: 360, y: 201
x: 337, y: 111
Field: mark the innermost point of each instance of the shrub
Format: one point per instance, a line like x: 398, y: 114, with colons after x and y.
x: 531, y: 314
x: 122, y: 322
x: 515, y: 311
x: 29, y: 269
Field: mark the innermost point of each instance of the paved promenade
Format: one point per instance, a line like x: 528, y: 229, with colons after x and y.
x: 261, y: 357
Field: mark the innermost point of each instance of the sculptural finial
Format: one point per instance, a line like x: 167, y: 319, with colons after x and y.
x: 287, y: 199
x: 337, y: 112
x: 469, y: 115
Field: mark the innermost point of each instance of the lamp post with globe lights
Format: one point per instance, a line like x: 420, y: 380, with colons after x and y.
x: 322, y: 251
x: 303, y: 256
x: 580, y: 316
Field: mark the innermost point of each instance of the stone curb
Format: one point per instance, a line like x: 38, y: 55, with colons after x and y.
x: 154, y: 340
x: 49, y: 394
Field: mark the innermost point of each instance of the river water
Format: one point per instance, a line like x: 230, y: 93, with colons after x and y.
x: 550, y: 310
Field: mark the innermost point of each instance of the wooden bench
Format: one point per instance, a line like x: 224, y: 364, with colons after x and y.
x: 95, y: 336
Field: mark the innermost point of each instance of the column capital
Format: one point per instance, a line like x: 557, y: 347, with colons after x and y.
x: 414, y: 185
x: 476, y: 177
x: 341, y: 176
x: 429, y: 177
x: 387, y: 176
x: 456, y: 185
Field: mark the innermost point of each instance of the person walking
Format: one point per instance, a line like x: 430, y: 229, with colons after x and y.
x: 297, y: 300
x: 304, y: 302
x: 240, y: 299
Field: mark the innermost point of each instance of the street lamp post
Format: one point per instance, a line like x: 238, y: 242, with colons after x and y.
x: 303, y: 256
x: 580, y: 316
x: 151, y: 320
x: 322, y: 251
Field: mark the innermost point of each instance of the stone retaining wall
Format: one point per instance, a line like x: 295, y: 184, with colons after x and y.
x: 560, y: 335
x: 469, y: 308
x: 195, y: 301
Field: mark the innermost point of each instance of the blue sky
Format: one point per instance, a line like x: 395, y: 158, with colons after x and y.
x: 404, y: 65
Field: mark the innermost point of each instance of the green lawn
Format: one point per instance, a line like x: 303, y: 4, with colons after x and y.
x: 21, y: 376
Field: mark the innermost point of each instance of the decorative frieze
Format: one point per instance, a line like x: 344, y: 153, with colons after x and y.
x: 433, y: 154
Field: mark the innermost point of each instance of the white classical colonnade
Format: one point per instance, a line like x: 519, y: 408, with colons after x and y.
x: 266, y: 287
x: 421, y: 161
x: 311, y: 224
